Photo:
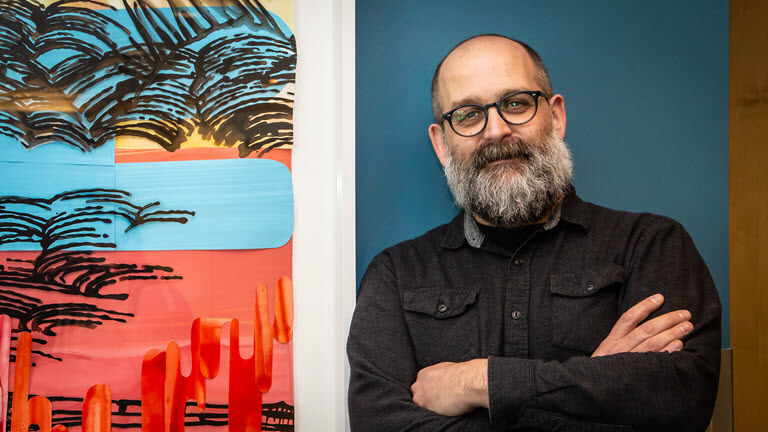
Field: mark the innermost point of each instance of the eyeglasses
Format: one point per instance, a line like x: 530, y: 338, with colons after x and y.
x: 516, y: 109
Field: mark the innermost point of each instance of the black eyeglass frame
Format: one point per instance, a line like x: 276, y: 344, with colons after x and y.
x: 533, y: 93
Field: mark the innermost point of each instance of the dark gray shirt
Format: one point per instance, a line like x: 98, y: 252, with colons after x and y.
x: 537, y: 313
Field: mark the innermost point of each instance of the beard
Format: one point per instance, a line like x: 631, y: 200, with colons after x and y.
x: 515, y: 192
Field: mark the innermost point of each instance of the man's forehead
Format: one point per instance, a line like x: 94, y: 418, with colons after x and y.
x: 484, y: 67
x: 488, y: 42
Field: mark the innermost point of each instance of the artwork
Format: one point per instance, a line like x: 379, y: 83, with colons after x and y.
x: 146, y: 213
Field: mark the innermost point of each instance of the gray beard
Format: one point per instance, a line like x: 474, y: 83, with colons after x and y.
x: 512, y: 193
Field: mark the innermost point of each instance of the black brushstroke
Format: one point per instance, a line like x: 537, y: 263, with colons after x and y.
x: 59, y: 267
x: 277, y: 416
x: 205, y: 69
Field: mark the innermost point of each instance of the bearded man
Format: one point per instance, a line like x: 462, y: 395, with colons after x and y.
x: 532, y: 309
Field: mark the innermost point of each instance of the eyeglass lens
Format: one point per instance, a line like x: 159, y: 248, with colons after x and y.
x: 517, y: 108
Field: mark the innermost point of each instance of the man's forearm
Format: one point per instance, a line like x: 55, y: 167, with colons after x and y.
x: 654, y: 391
x: 379, y: 404
x: 646, y: 391
x: 452, y: 388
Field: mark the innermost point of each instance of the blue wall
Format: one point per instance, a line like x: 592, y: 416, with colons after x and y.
x: 646, y: 91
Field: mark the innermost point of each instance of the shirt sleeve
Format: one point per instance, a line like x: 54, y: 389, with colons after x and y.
x: 383, y: 366
x: 628, y: 391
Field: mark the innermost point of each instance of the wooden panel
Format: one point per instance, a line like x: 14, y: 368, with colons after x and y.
x: 748, y: 190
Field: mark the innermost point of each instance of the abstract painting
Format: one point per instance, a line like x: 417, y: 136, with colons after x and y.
x: 146, y: 213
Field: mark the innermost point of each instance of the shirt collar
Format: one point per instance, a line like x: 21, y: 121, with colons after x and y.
x: 574, y: 210
x: 464, y: 227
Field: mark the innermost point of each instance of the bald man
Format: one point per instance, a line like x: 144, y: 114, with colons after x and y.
x: 532, y: 309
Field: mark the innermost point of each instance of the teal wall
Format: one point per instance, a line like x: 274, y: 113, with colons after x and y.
x: 646, y: 91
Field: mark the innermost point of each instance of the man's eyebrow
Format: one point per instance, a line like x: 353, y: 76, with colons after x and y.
x: 472, y: 100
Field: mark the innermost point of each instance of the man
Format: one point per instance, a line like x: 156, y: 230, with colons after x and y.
x: 532, y: 310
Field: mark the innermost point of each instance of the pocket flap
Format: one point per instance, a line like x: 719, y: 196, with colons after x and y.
x: 591, y: 283
x: 439, y: 302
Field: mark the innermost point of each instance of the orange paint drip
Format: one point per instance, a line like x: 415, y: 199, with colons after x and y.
x: 36, y: 410
x: 153, y: 395
x: 40, y: 412
x: 97, y: 409
x: 164, y: 390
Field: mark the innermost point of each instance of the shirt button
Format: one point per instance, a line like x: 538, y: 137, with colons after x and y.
x: 516, y: 315
x: 519, y: 261
x: 442, y: 307
x: 590, y: 288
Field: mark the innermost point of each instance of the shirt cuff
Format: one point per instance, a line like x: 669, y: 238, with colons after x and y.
x: 510, y: 389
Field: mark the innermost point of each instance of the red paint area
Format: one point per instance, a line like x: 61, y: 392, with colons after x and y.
x: 216, y: 284
x: 164, y: 388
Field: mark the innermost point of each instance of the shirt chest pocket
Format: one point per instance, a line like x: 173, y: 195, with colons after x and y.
x: 585, y: 307
x: 443, y: 324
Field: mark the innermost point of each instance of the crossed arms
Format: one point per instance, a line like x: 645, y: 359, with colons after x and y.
x: 454, y: 389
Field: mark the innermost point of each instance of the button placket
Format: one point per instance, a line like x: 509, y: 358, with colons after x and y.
x: 516, y: 303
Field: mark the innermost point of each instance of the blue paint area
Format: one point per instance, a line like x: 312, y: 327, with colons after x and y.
x: 238, y: 204
x: 55, y: 152
x: 121, y: 29
x: 646, y: 90
x: 43, y: 180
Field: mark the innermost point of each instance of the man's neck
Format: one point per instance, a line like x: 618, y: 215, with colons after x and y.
x: 543, y: 219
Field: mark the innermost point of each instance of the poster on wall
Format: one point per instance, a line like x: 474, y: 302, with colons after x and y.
x: 146, y: 214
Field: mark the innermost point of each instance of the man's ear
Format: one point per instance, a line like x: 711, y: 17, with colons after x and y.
x: 557, y: 107
x: 437, y: 136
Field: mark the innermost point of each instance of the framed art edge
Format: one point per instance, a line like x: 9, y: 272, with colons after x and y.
x: 324, y: 191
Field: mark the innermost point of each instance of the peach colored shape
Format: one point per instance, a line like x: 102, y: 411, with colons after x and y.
x: 5, y: 365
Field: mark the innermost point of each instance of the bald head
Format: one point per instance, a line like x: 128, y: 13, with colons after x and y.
x: 474, y: 49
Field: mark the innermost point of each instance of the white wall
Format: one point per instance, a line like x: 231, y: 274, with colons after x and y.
x: 324, y: 188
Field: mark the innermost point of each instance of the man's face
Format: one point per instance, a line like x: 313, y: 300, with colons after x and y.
x: 506, y: 175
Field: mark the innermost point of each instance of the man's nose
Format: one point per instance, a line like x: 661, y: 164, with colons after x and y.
x: 497, y: 128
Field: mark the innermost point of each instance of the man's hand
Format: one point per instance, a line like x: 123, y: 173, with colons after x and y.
x: 452, y: 389
x: 662, y: 333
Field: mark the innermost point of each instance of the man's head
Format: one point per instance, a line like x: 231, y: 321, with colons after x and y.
x: 542, y: 75
x: 506, y: 174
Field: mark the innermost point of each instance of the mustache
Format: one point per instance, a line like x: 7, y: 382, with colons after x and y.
x: 512, y: 148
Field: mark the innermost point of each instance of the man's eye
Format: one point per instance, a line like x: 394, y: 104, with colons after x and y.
x: 465, y: 116
x: 515, y: 104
